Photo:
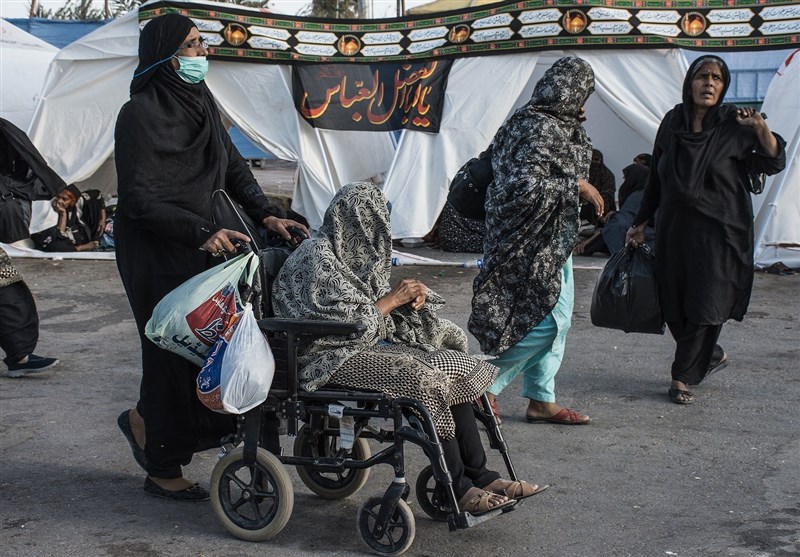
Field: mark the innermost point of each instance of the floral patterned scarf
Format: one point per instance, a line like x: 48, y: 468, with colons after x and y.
x: 340, y: 274
x: 532, y: 207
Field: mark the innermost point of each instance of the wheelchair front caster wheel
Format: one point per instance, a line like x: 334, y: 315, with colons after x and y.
x: 327, y: 484
x: 254, y: 502
x: 399, y: 533
x: 430, y: 496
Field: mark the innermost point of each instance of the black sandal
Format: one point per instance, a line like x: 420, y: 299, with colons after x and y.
x: 681, y: 396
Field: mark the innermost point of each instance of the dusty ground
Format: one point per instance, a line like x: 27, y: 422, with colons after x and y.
x: 646, y: 478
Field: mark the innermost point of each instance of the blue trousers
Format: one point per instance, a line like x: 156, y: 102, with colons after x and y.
x: 538, y: 354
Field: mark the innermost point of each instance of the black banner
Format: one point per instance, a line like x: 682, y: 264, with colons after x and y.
x: 239, y: 34
x: 372, y: 97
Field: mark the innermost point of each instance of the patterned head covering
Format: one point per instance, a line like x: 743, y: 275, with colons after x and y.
x: 358, y: 228
x: 532, y: 207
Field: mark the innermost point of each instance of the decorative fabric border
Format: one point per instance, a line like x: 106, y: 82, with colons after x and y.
x: 244, y: 35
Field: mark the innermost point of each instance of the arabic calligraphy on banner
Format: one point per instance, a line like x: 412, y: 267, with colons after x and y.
x: 372, y: 97
x: 244, y: 35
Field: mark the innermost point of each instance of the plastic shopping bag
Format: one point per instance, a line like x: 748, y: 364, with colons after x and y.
x: 189, y: 319
x: 239, y: 369
x: 626, y: 293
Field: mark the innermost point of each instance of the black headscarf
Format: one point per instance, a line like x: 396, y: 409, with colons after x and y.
x: 689, y: 152
x: 635, y: 179
x: 169, y: 150
x: 17, y: 156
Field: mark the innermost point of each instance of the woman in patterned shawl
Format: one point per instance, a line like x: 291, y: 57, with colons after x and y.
x: 522, y: 303
x: 343, y: 274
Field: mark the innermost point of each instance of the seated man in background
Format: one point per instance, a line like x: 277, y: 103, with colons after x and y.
x: 81, y: 222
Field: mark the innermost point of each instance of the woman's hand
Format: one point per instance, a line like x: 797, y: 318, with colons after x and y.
x: 88, y: 246
x: 588, y: 192
x: 635, y: 235
x: 220, y: 242
x: 751, y: 118
x: 280, y: 227
x: 406, y: 291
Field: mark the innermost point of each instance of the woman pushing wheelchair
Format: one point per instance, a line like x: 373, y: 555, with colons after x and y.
x: 343, y: 274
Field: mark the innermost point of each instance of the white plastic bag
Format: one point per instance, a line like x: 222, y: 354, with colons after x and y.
x: 239, y: 369
x: 189, y: 319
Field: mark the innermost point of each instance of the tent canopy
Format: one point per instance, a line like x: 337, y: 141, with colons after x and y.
x: 88, y: 83
x: 23, y: 66
x: 777, y: 209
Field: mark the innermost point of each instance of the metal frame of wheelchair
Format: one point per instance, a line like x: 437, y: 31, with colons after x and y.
x: 251, y: 490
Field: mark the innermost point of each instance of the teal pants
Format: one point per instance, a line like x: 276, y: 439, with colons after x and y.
x: 538, y: 354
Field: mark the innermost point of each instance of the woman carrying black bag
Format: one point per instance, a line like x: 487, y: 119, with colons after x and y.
x: 171, y: 154
x: 704, y: 229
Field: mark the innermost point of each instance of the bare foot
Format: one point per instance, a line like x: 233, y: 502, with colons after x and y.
x: 137, y: 427
x: 539, y: 410
x: 172, y: 484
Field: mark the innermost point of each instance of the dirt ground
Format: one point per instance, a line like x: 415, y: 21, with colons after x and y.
x: 646, y: 478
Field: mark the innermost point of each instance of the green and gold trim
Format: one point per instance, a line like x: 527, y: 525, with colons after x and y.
x: 244, y: 35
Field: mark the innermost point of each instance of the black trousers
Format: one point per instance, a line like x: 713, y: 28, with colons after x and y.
x: 177, y: 424
x: 464, y: 454
x: 696, y: 349
x: 19, y: 322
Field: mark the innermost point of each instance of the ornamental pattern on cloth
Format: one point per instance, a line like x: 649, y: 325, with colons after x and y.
x: 439, y: 379
x: 532, y: 207
x: 8, y: 273
x: 340, y: 274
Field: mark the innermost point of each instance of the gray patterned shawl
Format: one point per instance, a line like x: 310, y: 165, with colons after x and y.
x: 340, y: 274
x: 532, y: 207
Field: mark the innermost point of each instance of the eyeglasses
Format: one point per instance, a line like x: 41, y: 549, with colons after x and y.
x: 194, y: 44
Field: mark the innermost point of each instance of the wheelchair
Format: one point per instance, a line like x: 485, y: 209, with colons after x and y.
x: 251, y: 491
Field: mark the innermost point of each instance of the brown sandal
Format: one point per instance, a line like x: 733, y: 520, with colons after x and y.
x: 522, y: 489
x: 482, y: 503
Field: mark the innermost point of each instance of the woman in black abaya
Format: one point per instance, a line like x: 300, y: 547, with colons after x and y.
x: 171, y: 154
x: 704, y: 228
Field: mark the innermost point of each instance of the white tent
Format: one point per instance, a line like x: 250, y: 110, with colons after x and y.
x: 24, y: 60
x: 777, y: 209
x: 88, y: 83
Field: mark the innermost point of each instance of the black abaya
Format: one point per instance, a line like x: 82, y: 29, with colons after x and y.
x: 704, y: 227
x: 171, y: 153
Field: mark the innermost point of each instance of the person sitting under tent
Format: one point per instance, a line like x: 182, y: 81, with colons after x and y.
x: 81, y: 222
x: 24, y: 177
x: 610, y: 237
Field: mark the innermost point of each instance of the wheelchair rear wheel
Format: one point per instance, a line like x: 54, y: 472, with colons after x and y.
x: 431, y: 496
x: 254, y: 502
x: 399, y: 533
x: 326, y: 484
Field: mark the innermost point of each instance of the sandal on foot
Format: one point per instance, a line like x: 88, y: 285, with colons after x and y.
x: 522, y: 489
x: 565, y: 417
x: 482, y: 504
x: 518, y: 489
x: 681, y: 396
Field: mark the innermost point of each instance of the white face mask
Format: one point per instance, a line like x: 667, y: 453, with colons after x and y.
x: 193, y: 69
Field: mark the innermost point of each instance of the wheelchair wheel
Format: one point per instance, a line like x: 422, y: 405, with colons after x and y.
x: 400, y: 531
x: 254, y: 502
x: 430, y: 496
x: 326, y: 484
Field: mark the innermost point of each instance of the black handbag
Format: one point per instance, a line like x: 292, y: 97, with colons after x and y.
x: 626, y: 293
x: 468, y: 188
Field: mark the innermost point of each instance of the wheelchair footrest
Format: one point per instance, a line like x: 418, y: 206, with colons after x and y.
x: 464, y: 520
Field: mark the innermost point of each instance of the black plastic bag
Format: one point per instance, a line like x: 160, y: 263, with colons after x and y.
x: 626, y: 293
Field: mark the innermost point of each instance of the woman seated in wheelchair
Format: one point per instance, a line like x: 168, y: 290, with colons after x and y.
x: 343, y: 274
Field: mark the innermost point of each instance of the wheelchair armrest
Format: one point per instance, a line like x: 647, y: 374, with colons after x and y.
x: 311, y: 327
